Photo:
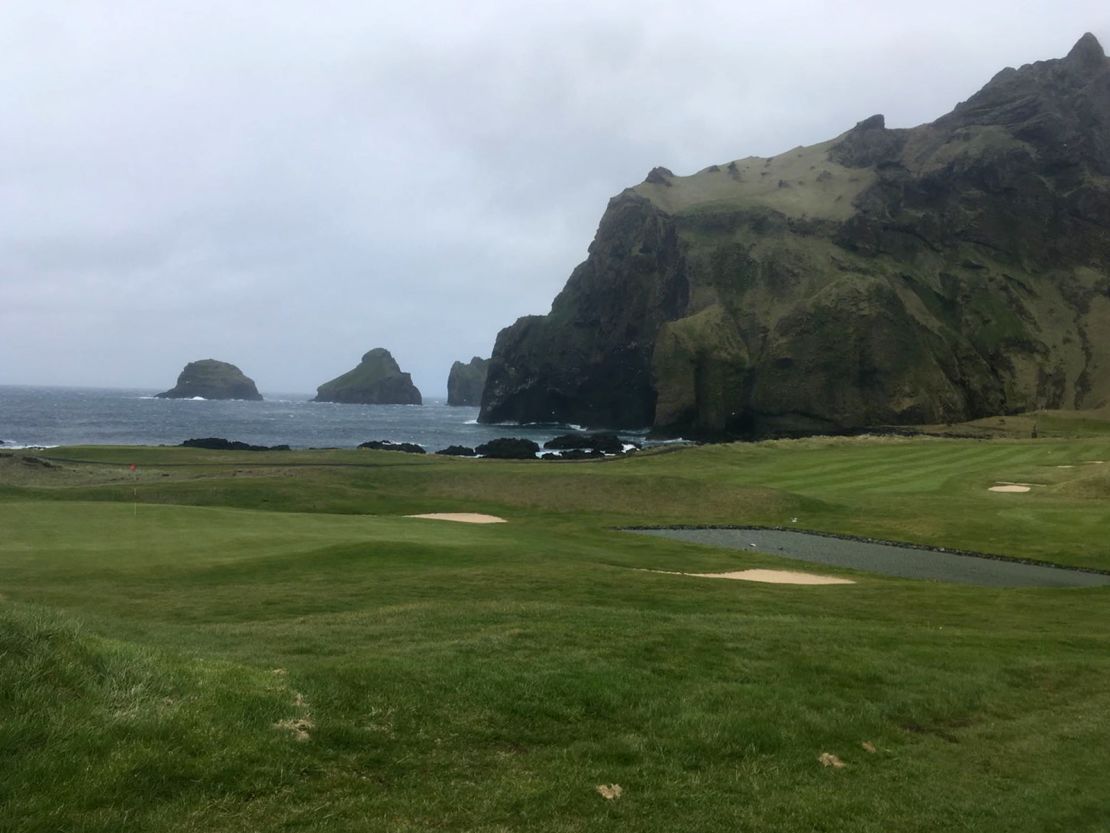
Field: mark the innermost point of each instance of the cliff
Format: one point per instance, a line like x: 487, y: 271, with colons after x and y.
x: 377, y: 380
x: 212, y: 379
x: 888, y: 276
x: 466, y: 382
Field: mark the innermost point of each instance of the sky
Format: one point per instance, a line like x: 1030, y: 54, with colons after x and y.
x: 285, y: 185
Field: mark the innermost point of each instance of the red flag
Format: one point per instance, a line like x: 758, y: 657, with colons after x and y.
x: 133, y: 467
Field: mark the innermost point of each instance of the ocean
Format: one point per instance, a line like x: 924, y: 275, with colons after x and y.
x: 49, y: 416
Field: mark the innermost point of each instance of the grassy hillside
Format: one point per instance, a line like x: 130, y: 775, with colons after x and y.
x: 235, y: 641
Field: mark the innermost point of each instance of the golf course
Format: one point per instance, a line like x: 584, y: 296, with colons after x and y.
x: 197, y: 640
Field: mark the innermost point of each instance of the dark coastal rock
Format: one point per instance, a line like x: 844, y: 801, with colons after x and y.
x: 378, y: 380
x: 575, y: 454
x: 604, y: 442
x: 509, y: 448
x: 457, y: 451
x: 220, y: 444
x: 466, y: 382
x: 388, y: 445
x: 941, y: 273
x: 212, y: 379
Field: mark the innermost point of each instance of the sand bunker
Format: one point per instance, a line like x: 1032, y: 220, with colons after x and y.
x: 766, y: 576
x: 776, y: 577
x: 1010, y: 487
x: 461, y: 517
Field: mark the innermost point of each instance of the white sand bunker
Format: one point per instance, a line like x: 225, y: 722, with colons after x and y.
x: 766, y: 576
x: 776, y: 577
x: 461, y: 517
x: 1010, y: 487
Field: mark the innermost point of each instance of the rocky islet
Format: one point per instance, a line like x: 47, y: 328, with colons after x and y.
x: 212, y: 379
x: 377, y: 380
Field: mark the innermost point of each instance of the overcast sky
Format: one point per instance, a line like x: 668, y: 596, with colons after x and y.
x: 284, y: 185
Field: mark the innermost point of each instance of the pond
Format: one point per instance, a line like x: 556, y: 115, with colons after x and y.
x: 887, y: 558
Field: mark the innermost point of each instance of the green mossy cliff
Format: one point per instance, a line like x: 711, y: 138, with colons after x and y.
x: 941, y: 273
x: 377, y: 380
x: 212, y: 379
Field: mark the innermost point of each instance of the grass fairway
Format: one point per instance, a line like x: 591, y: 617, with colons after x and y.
x: 261, y: 642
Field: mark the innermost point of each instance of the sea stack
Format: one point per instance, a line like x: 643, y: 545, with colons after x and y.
x: 378, y: 380
x: 466, y: 382
x: 889, y: 276
x: 212, y: 379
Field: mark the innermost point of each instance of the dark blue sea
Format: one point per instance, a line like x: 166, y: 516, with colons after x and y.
x: 42, y: 416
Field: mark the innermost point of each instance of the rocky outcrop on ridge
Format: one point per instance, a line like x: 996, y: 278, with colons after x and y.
x: 466, y: 382
x: 378, y: 380
x: 212, y: 379
x: 934, y: 274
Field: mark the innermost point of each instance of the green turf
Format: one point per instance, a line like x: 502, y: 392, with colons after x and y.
x: 165, y: 633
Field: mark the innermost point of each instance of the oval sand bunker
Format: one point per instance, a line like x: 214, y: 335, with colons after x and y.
x: 775, y: 577
x: 1010, y: 488
x: 461, y: 517
x: 764, y: 576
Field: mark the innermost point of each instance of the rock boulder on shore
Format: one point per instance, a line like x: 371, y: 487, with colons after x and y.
x: 509, y: 448
x: 378, y: 380
x: 212, y: 379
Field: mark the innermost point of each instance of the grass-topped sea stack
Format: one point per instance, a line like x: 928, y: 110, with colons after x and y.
x: 211, y: 379
x: 378, y: 380
x: 945, y: 272
x: 466, y: 382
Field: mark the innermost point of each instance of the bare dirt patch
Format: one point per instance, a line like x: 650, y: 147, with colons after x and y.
x: 610, y: 792
x: 461, y: 517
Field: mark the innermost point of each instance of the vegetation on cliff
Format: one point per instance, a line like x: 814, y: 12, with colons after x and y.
x: 936, y: 274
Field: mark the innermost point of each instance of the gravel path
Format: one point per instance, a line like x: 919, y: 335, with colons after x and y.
x: 888, y: 559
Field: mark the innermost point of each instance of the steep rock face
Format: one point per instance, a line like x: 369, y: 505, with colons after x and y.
x: 466, y: 382
x: 378, y: 380
x: 939, y: 273
x: 589, y: 359
x: 212, y: 379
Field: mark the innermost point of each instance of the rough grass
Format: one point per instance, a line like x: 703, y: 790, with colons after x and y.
x: 802, y: 182
x: 457, y: 677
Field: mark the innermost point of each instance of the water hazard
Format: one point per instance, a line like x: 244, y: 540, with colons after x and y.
x: 887, y: 559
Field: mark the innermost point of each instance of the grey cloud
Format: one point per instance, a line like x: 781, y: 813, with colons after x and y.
x: 285, y: 189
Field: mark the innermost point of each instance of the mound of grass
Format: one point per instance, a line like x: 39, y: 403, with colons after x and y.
x: 102, y: 735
